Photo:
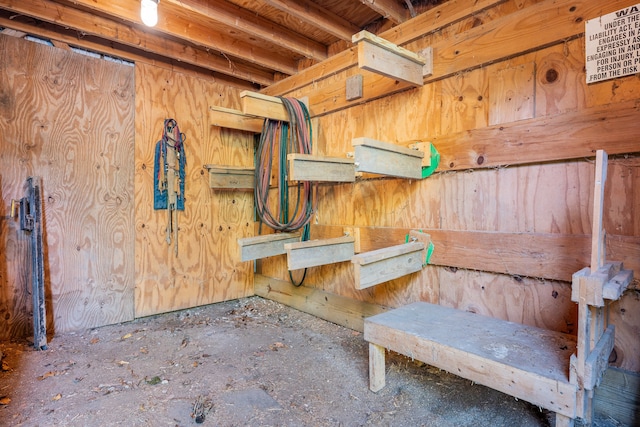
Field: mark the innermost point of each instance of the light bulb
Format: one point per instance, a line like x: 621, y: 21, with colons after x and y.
x: 149, y: 12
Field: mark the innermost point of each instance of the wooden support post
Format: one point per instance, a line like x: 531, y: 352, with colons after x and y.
x: 231, y: 177
x: 380, y: 56
x: 265, y: 246
x: 594, y: 343
x: 563, y: 421
x: 307, y: 167
x: 382, y: 265
x: 234, y: 119
x: 314, y: 253
x: 387, y: 159
x: 597, y: 233
x: 376, y: 367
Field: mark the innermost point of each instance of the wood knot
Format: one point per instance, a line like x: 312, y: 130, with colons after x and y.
x: 551, y: 75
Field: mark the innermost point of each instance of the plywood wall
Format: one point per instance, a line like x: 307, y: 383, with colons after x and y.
x: 500, y: 77
x: 69, y: 119
x: 207, y: 268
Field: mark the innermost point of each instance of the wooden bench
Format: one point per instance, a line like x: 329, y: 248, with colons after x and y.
x: 550, y: 369
x: 524, y: 361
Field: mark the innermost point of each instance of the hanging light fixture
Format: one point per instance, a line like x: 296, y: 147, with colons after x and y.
x: 149, y: 12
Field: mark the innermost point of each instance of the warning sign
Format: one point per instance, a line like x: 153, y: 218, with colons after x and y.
x: 613, y: 44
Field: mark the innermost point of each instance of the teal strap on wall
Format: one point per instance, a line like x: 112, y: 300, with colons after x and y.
x: 435, y: 161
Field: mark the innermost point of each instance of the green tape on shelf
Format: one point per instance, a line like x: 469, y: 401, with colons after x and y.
x: 435, y: 161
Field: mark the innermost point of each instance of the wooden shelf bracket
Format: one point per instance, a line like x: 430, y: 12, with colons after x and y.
x: 265, y: 106
x: 231, y: 177
x: 387, y: 159
x: 381, y: 265
x: 380, y: 56
x: 234, y: 119
x: 314, y: 253
x: 307, y: 167
x: 264, y: 246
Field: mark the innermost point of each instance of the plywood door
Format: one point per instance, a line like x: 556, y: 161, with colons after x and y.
x: 69, y: 119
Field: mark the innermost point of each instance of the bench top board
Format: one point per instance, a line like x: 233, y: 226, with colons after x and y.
x: 539, y: 351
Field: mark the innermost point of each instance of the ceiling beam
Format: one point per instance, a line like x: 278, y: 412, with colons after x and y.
x: 310, y: 13
x: 173, y: 22
x: 87, y: 24
x: 390, y: 9
x: 254, y: 25
x: 53, y: 33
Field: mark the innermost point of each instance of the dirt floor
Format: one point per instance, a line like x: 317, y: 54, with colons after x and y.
x: 250, y: 362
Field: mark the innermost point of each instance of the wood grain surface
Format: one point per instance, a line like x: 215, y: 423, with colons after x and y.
x: 69, y: 119
x: 207, y: 268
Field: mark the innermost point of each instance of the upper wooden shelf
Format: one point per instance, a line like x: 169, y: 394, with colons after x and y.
x: 231, y: 177
x: 387, y: 159
x: 266, y: 245
x: 234, y: 119
x: 308, y: 167
x: 380, y: 56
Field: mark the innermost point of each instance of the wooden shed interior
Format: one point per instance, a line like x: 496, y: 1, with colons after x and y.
x: 493, y: 94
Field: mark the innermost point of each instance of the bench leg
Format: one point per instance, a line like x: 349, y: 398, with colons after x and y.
x: 563, y: 421
x: 376, y: 367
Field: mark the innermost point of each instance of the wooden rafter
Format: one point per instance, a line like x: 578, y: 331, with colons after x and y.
x: 250, y: 23
x: 173, y: 22
x: 88, y: 24
x: 390, y: 9
x: 312, y: 14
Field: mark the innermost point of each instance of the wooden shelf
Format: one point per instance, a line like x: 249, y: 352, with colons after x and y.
x: 380, y: 56
x: 379, y: 266
x: 523, y: 361
x: 234, y: 119
x: 265, y: 246
x: 314, y: 253
x: 387, y: 159
x: 307, y: 167
x: 265, y: 106
x: 231, y: 177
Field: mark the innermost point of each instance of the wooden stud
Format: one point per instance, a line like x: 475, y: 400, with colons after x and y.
x: 383, y: 57
x: 382, y: 265
x: 307, y: 167
x: 387, y: 159
x: 234, y: 119
x: 265, y: 246
x: 314, y: 253
x: 597, y: 233
x: 231, y: 177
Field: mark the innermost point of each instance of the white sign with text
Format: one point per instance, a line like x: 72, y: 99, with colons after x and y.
x: 613, y: 45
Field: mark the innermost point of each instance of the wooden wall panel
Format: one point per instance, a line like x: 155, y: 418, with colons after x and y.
x: 545, y: 193
x: 207, y: 268
x: 68, y: 118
